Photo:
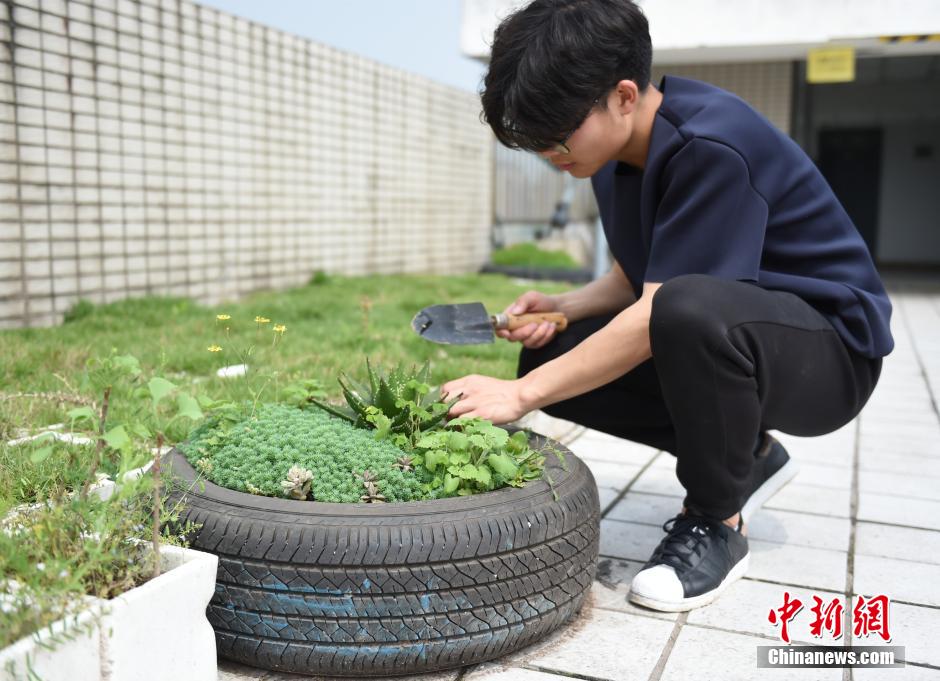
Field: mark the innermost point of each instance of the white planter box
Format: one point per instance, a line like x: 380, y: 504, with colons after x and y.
x: 156, y: 632
x: 78, y: 659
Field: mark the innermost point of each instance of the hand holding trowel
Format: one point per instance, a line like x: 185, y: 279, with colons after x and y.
x: 469, y: 323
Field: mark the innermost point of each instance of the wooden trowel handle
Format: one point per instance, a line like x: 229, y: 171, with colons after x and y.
x: 516, y: 321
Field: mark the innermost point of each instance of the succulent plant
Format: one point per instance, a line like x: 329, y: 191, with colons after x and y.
x: 297, y: 484
x: 393, y: 394
x: 405, y: 463
x: 367, y: 476
x: 372, y: 495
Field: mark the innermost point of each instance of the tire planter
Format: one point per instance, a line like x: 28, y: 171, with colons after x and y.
x: 398, y: 588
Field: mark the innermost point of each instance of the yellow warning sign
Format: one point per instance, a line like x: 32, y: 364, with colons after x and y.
x: 831, y: 65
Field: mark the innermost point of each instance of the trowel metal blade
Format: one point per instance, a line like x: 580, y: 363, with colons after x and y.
x: 462, y: 324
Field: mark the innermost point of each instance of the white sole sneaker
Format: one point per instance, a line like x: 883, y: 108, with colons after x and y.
x: 771, y: 486
x: 736, y: 573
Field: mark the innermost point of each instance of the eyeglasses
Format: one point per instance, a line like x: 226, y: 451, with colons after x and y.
x: 562, y: 147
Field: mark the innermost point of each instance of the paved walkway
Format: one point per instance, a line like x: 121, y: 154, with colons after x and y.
x: 862, y: 517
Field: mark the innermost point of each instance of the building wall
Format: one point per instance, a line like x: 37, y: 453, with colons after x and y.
x: 713, y: 31
x: 526, y: 190
x: 161, y: 147
x: 908, y: 224
x: 901, y: 96
x: 767, y: 86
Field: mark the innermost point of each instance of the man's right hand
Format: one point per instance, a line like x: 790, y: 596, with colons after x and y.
x: 533, y: 335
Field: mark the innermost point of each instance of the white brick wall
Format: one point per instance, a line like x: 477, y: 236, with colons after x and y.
x: 168, y: 148
x: 767, y: 86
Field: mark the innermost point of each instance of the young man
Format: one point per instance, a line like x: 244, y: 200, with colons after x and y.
x: 742, y: 298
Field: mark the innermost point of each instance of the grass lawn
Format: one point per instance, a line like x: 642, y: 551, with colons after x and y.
x: 332, y: 326
x: 529, y: 254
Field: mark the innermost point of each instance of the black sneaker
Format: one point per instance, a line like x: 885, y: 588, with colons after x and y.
x: 696, y: 560
x: 773, y: 468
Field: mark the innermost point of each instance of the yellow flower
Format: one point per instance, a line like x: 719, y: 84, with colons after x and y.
x: 223, y: 317
x: 214, y: 348
x: 262, y: 320
x: 279, y: 328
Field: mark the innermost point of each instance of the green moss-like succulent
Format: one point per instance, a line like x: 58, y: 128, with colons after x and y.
x: 257, y: 454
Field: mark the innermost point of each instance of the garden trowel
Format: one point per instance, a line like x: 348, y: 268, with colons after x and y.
x: 469, y: 323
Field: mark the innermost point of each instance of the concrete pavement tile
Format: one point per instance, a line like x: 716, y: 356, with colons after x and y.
x: 901, y: 580
x: 232, y: 671
x: 906, y: 543
x: 906, y: 673
x: 612, y: 583
x: 650, y: 509
x: 913, y: 627
x: 603, y: 447
x: 745, y: 605
x: 811, y: 499
x: 799, y: 565
x: 825, y: 474
x: 607, y: 474
x: 898, y: 404
x: 606, y: 495
x: 497, y: 672
x: 922, y: 420
x: 659, y: 479
x: 907, y: 464
x: 800, y: 529
x: 902, y: 442
x: 701, y: 653
x: 901, y: 389
x: 895, y: 510
x: 905, y: 431
x: 833, y: 449
x: 899, y: 484
x: 665, y: 460
x: 614, y: 646
x: 630, y: 541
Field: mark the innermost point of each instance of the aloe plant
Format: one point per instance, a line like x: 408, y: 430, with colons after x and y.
x: 399, y: 401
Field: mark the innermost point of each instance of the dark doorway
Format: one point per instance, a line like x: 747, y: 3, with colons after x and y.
x: 850, y: 160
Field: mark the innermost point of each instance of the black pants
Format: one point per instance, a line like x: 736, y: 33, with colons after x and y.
x: 730, y: 360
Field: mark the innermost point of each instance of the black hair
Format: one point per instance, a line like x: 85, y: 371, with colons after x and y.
x: 551, y: 59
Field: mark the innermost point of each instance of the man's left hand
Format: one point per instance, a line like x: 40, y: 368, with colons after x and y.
x: 489, y: 398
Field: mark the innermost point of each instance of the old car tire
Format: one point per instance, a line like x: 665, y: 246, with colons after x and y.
x: 385, y: 589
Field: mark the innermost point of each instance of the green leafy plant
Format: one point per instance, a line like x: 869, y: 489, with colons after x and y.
x: 472, y: 455
x: 159, y: 404
x: 399, y: 402
x: 464, y: 456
